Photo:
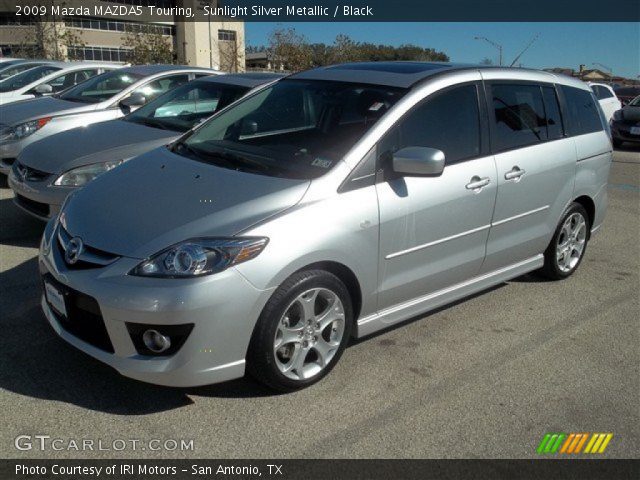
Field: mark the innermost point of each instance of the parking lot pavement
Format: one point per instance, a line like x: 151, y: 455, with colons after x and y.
x: 486, y: 377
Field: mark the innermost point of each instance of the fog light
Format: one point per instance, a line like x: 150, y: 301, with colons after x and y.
x: 155, y: 341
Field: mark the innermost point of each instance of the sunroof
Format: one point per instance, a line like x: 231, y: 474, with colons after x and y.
x: 395, y: 67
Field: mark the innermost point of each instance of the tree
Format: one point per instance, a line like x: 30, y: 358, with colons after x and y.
x: 344, y: 50
x: 231, y: 57
x: 147, y: 47
x: 289, y: 49
x: 486, y: 61
x: 47, y: 37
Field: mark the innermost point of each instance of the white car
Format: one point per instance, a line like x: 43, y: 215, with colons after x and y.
x: 49, y: 79
x: 606, y: 98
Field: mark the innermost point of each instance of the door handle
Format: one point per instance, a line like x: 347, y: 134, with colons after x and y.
x: 514, y: 174
x: 476, y: 183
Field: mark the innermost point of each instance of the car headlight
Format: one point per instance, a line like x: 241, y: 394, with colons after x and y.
x: 83, y: 175
x: 25, y: 129
x: 201, y: 256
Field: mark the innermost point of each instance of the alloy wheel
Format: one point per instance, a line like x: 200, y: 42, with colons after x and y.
x: 309, y: 334
x: 571, y: 242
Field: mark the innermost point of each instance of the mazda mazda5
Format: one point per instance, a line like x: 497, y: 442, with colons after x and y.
x: 328, y: 205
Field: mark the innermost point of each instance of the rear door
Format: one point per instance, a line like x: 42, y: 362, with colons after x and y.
x: 433, y: 230
x: 536, y: 166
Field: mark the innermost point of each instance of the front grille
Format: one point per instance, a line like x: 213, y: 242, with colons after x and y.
x: 38, y: 208
x: 89, y: 257
x: 84, y: 319
x: 22, y: 172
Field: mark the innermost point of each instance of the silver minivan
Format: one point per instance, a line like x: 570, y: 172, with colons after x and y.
x: 328, y: 205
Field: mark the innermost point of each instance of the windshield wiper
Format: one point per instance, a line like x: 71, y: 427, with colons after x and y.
x: 235, y: 158
x: 151, y: 122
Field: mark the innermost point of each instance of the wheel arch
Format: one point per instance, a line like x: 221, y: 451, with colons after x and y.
x: 346, y: 276
x: 590, y: 206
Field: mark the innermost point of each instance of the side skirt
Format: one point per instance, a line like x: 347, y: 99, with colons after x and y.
x: 398, y: 313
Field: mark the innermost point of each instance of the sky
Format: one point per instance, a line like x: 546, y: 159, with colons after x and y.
x: 615, y: 45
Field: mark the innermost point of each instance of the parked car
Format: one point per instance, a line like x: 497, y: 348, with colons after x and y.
x: 625, y: 124
x: 332, y: 203
x: 47, y: 171
x: 101, y: 98
x: 626, y: 94
x: 607, y: 99
x: 13, y: 67
x: 49, y: 79
x: 9, y: 59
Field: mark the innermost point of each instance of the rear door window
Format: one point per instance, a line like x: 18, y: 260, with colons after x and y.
x: 156, y: 88
x: 601, y: 92
x: 518, y: 116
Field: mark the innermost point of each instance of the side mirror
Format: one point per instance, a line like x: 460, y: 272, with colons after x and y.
x: 133, y: 101
x: 418, y: 161
x: 44, y: 89
x: 249, y: 127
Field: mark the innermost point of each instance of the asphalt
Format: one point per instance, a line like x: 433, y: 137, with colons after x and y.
x: 486, y: 377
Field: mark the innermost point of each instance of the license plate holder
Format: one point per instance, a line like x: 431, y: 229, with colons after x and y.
x: 635, y: 130
x: 55, y: 299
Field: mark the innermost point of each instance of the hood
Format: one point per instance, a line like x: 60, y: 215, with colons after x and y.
x: 19, y: 112
x: 99, y: 142
x: 160, y: 198
x: 631, y: 113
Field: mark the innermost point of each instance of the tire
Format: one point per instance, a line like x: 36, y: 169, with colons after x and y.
x: 287, y: 352
x: 617, y: 143
x: 573, y: 232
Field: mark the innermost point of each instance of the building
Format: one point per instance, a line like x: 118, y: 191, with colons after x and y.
x: 594, y: 75
x: 218, y: 43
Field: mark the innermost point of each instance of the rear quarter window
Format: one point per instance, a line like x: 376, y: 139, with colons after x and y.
x: 582, y: 112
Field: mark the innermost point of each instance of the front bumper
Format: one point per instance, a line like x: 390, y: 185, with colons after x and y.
x: 622, y: 132
x: 223, y: 309
x: 38, y: 198
x: 10, y: 151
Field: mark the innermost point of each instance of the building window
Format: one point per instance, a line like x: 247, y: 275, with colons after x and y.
x: 227, y: 35
x: 105, y: 54
x: 118, y: 26
x: 9, y: 18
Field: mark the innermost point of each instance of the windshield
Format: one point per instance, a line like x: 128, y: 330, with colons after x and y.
x: 101, y: 87
x: 6, y: 72
x: 294, y: 128
x: 183, y: 107
x: 25, y: 78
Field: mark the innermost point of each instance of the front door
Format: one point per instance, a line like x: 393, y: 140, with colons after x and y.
x: 433, y: 230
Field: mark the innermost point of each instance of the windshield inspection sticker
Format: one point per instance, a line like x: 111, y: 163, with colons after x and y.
x: 322, y: 163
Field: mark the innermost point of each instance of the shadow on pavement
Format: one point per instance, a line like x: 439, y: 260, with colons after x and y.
x: 34, y: 362
x: 17, y: 228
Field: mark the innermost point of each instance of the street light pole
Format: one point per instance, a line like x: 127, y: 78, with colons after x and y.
x: 493, y: 44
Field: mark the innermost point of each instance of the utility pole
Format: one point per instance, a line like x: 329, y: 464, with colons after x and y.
x: 493, y: 44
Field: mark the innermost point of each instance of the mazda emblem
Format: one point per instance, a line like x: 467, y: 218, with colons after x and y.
x: 74, y: 250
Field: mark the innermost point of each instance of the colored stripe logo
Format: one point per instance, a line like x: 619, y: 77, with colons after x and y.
x: 574, y: 443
